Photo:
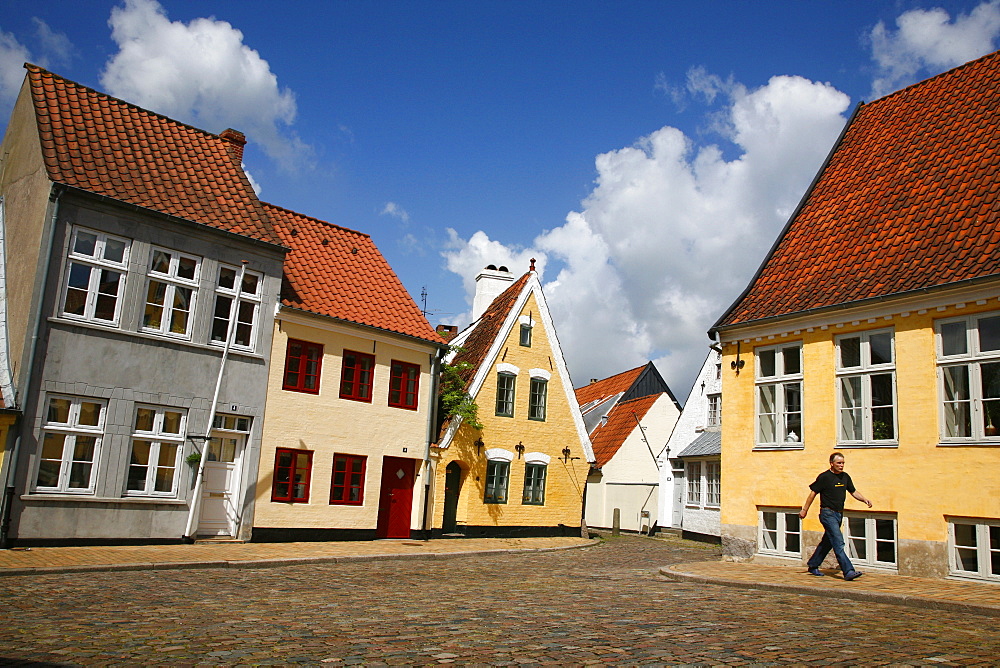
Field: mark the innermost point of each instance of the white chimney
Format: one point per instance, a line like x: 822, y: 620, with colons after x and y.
x: 490, y: 282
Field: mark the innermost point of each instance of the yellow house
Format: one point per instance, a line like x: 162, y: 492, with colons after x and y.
x: 351, y: 393
x: 525, y: 471
x: 873, y: 329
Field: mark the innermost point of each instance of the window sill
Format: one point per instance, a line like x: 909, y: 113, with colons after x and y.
x: 780, y: 555
x: 84, y: 498
x: 768, y: 448
x: 969, y: 444
x: 863, y: 446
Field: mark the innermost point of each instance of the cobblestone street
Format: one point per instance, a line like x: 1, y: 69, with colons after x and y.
x: 605, y: 604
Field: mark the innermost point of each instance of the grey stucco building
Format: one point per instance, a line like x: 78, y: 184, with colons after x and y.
x: 141, y: 275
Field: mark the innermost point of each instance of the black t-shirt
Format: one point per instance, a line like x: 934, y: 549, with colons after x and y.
x: 832, y: 489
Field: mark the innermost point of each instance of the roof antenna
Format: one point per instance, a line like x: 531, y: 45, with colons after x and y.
x: 423, y: 298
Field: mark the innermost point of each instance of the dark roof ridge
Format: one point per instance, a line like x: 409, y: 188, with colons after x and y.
x: 42, y: 70
x: 315, y: 219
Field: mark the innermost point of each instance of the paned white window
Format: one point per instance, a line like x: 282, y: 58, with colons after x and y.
x: 505, y: 394
x: 871, y: 539
x: 969, y: 371
x: 694, y: 483
x: 779, y: 532
x: 247, y: 299
x: 866, y: 388
x: 157, y: 442
x: 95, y: 276
x: 171, y: 287
x: 713, y: 483
x: 70, y: 443
x: 975, y: 548
x: 714, y: 410
x: 779, y: 396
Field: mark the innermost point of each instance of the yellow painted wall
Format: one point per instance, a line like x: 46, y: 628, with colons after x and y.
x: 919, y: 480
x: 328, y: 425
x: 565, y: 480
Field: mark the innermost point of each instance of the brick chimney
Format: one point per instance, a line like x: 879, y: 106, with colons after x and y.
x: 235, y: 141
x: 447, y: 332
x: 490, y: 282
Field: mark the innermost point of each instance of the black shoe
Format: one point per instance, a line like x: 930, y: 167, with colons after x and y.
x: 815, y: 571
x: 853, y: 575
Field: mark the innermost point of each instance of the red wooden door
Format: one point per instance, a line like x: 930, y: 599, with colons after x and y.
x: 395, y: 498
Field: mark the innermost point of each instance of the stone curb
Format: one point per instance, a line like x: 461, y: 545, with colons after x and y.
x: 277, y: 561
x: 869, y: 596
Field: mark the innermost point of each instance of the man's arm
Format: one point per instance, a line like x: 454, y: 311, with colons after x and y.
x: 809, y: 500
x: 861, y: 497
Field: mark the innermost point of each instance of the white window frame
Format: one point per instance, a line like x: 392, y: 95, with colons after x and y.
x: 173, y: 283
x: 157, y: 437
x: 867, y: 535
x: 96, y: 264
x: 71, y: 430
x: 713, y: 483
x: 972, y: 359
x: 714, y: 418
x: 244, y: 300
x: 778, y: 384
x: 864, y: 373
x: 982, y: 549
x: 692, y: 475
x: 781, y: 545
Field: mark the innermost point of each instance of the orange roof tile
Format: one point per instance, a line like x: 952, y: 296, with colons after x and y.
x: 908, y: 200
x: 608, y: 387
x: 607, y: 438
x: 340, y: 273
x: 103, y: 145
x: 478, y: 342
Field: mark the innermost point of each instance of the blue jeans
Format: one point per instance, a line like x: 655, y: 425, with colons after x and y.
x: 833, y: 539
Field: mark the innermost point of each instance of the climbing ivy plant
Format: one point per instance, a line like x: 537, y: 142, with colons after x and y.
x: 454, y: 400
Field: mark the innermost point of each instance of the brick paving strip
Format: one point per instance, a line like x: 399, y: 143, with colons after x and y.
x: 39, y: 560
x: 928, y: 593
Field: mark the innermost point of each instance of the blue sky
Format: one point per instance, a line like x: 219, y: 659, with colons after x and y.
x: 647, y: 153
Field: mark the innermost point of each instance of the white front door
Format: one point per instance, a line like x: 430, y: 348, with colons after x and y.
x: 220, y: 489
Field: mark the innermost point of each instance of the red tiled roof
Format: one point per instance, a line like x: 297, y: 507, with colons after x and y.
x: 609, y: 437
x: 479, y: 341
x: 908, y: 200
x: 101, y: 144
x: 608, y: 387
x: 340, y: 273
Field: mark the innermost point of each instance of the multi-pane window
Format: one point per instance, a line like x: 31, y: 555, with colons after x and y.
x: 228, y: 434
x: 95, y: 276
x: 534, y: 484
x: 170, y: 292
x: 975, y: 548
x: 356, y: 376
x: 497, y: 475
x: 505, y: 394
x: 694, y: 483
x: 303, y: 361
x: 157, y: 441
x: 871, y: 539
x: 714, y: 410
x: 525, y: 338
x: 969, y: 360
x: 779, y: 532
x: 404, y: 382
x: 347, y: 486
x: 537, y: 397
x: 241, y: 301
x: 779, y: 395
x: 292, y: 471
x: 70, y: 442
x: 713, y: 483
x: 866, y: 388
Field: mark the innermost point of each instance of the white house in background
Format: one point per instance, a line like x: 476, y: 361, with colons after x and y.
x: 691, y: 464
x: 628, y: 417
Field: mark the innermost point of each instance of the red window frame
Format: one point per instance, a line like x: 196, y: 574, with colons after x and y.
x: 298, y: 357
x: 348, y: 476
x: 357, y: 376
x: 287, y: 472
x: 404, y: 384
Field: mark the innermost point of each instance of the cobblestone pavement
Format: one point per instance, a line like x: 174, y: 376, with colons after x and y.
x: 600, y: 605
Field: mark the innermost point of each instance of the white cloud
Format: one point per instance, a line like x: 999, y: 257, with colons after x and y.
x: 202, y: 73
x: 253, y: 182
x: 673, y: 231
x: 55, y: 45
x: 929, y: 41
x: 13, y: 55
x: 396, y: 211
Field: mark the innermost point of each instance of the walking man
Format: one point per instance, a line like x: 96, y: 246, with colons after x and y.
x: 832, y: 487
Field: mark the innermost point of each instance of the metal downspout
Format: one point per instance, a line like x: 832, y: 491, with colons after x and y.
x: 431, y: 421
x: 188, y: 536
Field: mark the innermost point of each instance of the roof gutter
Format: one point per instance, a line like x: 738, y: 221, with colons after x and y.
x: 802, y: 202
